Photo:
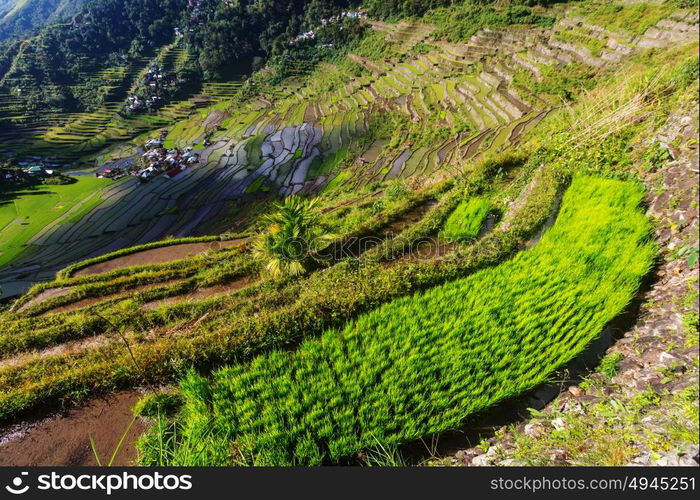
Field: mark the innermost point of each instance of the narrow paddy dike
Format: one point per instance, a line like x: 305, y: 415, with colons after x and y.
x: 202, y: 293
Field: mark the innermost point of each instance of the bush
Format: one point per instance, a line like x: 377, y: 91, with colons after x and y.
x: 59, y: 180
x: 396, y: 190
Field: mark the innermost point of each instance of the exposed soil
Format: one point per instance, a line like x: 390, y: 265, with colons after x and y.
x: 94, y: 300
x: 46, y: 294
x: 202, y: 293
x: 64, y: 439
x: 157, y: 255
x: 408, y: 219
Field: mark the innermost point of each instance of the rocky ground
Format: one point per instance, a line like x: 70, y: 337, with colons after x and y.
x: 640, y: 407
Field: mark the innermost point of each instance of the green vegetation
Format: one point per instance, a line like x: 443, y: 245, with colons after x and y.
x: 459, y: 22
x: 410, y: 142
x: 465, y: 222
x: 608, y: 365
x: 22, y: 16
x: 158, y: 404
x: 422, y: 364
x: 376, y: 47
x: 634, y: 17
x: 292, y: 235
x: 25, y: 212
x: 266, y: 315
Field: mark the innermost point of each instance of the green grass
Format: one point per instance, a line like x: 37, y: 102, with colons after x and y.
x: 465, y: 222
x: 633, y: 18
x: 376, y: 47
x: 460, y: 21
x: 31, y: 209
x: 422, y: 364
x: 564, y: 84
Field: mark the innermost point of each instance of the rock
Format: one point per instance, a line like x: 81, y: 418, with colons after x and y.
x: 667, y: 358
x: 482, y: 461
x: 668, y: 460
x: 510, y: 462
x: 589, y: 399
x: 576, y: 391
x: 492, y: 451
x: 643, y: 459
x: 468, y: 455
x: 533, y: 429
x: 558, y: 423
x: 676, y: 458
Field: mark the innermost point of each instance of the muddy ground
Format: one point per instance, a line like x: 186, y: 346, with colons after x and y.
x: 63, y: 439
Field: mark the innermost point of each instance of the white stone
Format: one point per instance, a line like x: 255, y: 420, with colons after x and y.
x: 558, y: 423
x: 533, y: 429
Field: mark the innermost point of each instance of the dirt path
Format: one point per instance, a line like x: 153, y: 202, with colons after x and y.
x: 64, y: 439
x: 157, y: 255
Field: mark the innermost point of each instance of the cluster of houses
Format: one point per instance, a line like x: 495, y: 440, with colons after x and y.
x: 195, y: 19
x: 152, y: 89
x: 358, y: 14
x: 156, y: 160
x: 169, y: 162
x: 311, y: 34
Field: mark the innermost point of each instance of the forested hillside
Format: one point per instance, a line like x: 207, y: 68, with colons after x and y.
x: 22, y: 17
x: 47, y: 67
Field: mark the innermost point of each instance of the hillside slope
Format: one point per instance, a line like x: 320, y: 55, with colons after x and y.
x: 310, y: 132
x: 18, y: 17
x: 512, y: 189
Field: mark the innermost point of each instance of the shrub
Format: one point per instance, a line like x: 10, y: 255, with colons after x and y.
x: 293, y: 233
x: 608, y: 365
x: 397, y: 189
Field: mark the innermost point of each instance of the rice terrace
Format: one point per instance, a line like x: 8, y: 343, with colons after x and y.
x: 349, y: 232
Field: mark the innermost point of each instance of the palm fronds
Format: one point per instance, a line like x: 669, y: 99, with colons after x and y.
x: 292, y: 234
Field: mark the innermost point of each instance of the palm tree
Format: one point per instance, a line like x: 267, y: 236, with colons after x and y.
x: 293, y: 234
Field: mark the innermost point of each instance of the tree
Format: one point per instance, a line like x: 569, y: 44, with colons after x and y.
x: 292, y: 235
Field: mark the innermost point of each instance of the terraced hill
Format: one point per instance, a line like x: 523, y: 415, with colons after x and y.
x: 482, y: 96
x: 495, y: 184
x: 75, y: 139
